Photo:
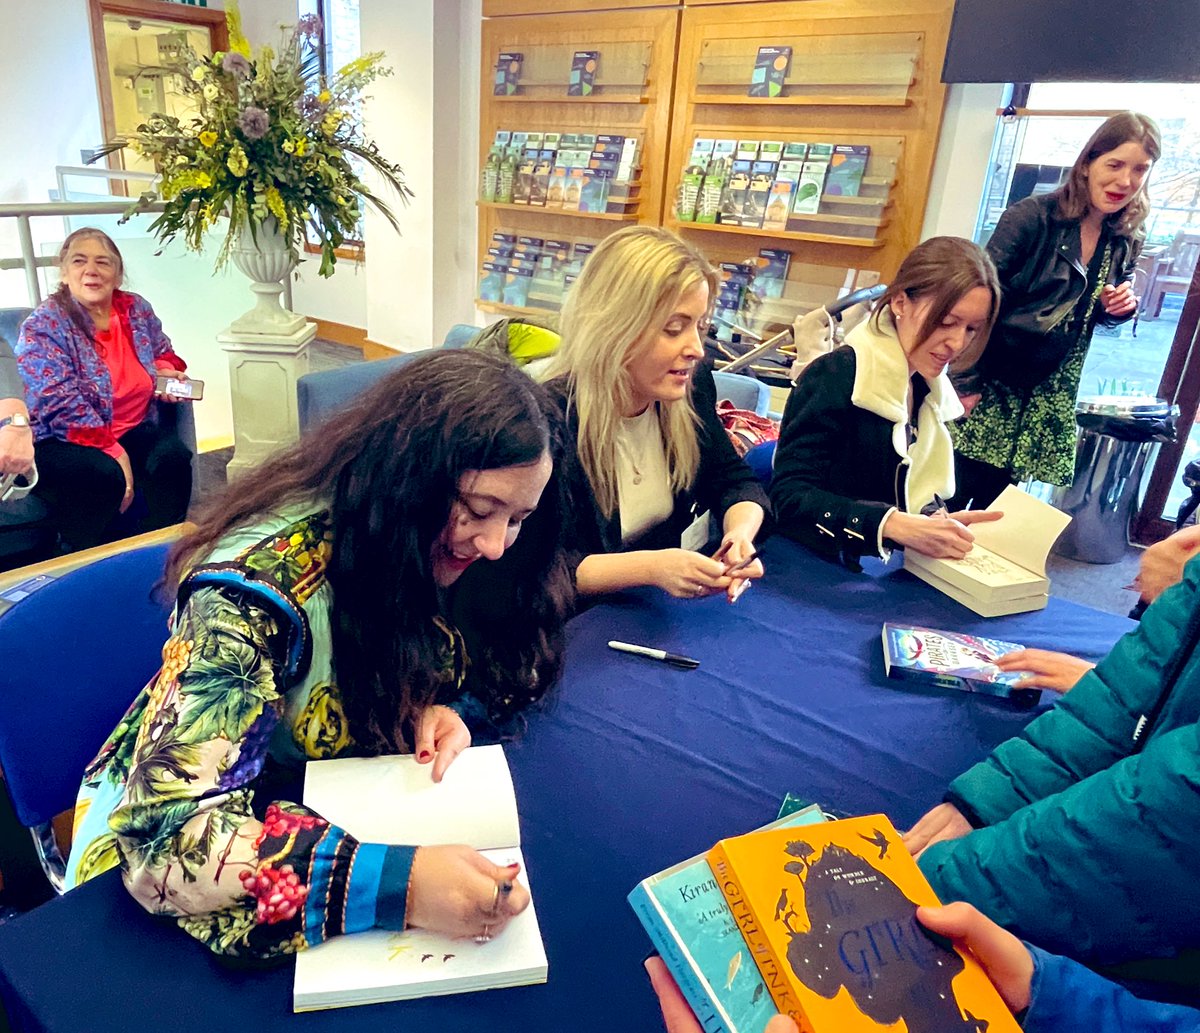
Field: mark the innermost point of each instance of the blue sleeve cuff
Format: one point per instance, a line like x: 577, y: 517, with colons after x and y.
x: 391, y: 899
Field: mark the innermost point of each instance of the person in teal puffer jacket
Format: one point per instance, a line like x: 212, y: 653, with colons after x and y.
x: 1081, y: 833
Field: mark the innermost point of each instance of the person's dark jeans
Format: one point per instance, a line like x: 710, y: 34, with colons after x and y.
x: 82, y: 486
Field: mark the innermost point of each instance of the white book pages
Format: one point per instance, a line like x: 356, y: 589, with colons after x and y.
x: 1026, y: 532
x: 394, y: 800
x: 376, y: 966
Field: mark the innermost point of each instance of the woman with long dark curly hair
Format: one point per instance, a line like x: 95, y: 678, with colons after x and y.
x: 312, y: 621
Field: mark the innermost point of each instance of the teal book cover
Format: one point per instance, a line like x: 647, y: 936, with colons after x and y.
x: 508, y: 74
x: 583, y: 73
x: 593, y: 193
x: 691, y: 926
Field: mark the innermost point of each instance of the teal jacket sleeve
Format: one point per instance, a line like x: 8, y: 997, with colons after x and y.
x: 1068, y: 998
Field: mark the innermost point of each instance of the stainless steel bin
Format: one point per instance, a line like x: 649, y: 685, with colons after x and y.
x: 1118, y: 439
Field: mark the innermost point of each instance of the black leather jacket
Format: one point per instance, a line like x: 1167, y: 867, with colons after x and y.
x: 1042, y: 276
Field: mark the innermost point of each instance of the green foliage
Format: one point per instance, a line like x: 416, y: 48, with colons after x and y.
x: 272, y: 141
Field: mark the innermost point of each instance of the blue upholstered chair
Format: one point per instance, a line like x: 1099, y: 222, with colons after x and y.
x: 318, y: 395
x: 745, y: 392
x: 73, y: 655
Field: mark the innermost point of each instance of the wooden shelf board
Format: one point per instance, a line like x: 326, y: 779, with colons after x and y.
x: 855, y: 199
x: 746, y: 231
x: 812, y: 100
x: 844, y: 220
x: 591, y: 98
x: 497, y: 308
x: 567, y: 212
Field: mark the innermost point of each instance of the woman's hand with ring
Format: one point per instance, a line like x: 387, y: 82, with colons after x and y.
x: 454, y: 890
x: 686, y: 574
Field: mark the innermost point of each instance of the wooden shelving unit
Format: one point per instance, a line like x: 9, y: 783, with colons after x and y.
x: 862, y: 72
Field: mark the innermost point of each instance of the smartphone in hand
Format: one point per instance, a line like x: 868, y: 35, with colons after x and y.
x: 187, y: 390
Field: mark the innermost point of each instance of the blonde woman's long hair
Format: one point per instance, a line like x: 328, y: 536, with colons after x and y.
x: 628, y: 290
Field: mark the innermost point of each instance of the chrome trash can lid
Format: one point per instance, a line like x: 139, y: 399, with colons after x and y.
x: 1134, y: 407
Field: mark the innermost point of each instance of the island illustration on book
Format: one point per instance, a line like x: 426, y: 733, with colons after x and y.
x: 829, y: 914
x: 953, y: 660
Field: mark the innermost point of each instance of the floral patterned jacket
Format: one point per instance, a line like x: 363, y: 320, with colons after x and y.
x: 68, y: 388
x: 247, y: 673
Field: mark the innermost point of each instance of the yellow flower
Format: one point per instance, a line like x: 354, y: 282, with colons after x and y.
x: 233, y: 22
x: 360, y: 64
x: 198, y: 73
x: 289, y: 147
x: 276, y: 207
x: 331, y: 121
x: 301, y: 147
x: 324, y: 97
x: 181, y: 159
x: 208, y: 138
x: 203, y: 180
x: 237, y: 162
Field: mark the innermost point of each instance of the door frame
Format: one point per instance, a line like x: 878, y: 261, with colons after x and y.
x: 180, y: 14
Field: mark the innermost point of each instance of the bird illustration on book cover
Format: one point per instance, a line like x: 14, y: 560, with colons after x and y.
x: 829, y: 914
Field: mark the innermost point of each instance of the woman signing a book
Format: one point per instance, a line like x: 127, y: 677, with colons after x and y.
x: 647, y: 458
x: 311, y: 622
x: 864, y: 457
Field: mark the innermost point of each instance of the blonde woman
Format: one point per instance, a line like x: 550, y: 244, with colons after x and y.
x: 647, y: 460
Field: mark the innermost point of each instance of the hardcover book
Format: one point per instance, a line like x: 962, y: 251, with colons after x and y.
x: 770, y: 70
x: 953, y: 660
x: 583, y: 73
x: 1005, y: 571
x: 394, y: 800
x: 846, y: 169
x: 829, y: 915
x: 508, y: 74
x: 689, y: 923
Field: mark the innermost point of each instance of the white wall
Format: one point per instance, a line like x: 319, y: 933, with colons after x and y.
x: 960, y: 169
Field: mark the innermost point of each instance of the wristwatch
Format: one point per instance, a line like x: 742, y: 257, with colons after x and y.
x: 17, y: 419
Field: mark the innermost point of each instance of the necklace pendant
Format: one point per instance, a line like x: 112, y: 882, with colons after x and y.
x: 637, y: 478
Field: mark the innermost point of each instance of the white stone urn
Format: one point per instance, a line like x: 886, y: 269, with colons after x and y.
x: 263, y: 256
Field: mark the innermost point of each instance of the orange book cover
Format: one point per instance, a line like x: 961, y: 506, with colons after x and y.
x: 828, y: 913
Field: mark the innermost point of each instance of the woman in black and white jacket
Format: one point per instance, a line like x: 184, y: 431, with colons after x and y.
x: 864, y: 457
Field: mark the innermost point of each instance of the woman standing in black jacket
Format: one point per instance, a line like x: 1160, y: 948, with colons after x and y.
x: 647, y: 459
x: 1065, y: 261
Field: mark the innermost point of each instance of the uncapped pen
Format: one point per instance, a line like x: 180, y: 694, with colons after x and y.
x: 674, y: 659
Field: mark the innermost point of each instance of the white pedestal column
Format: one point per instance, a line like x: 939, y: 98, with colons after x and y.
x: 263, y: 370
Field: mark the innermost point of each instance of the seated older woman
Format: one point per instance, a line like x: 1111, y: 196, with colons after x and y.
x: 89, y: 357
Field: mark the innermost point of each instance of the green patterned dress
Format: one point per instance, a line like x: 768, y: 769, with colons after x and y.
x: 1032, y: 434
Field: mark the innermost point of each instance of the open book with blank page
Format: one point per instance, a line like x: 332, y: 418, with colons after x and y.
x: 394, y: 800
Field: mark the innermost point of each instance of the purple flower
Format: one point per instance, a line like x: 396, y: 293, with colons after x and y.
x: 253, y: 123
x: 309, y: 25
x: 236, y: 64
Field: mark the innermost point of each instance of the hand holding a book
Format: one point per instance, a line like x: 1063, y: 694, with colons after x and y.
x: 677, y: 1016
x: 1004, y: 958
x: 441, y: 736
x: 942, y: 535
x: 945, y: 821
x: 1046, y: 668
x: 456, y: 891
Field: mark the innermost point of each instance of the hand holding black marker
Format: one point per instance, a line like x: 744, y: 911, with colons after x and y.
x: 740, y: 590
x: 685, y: 663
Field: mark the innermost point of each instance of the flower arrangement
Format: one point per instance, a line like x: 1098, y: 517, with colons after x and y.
x: 272, y: 139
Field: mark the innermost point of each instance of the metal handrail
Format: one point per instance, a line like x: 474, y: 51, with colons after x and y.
x: 24, y: 211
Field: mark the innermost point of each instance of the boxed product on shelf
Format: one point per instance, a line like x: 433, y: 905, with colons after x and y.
x: 489, y: 177
x: 733, y: 197
x: 846, y: 169
x: 523, y: 183
x: 508, y: 73
x: 770, y: 70
x: 506, y: 177
x: 491, y: 284
x: 502, y: 139
x: 573, y: 189
x: 539, y: 186
x: 807, y: 197
x: 516, y: 283
x: 593, y: 192
x: 755, y: 208
x: 779, y: 205
x: 770, y: 273
x: 583, y: 73
x: 795, y: 151
x: 557, y: 186
x: 747, y: 150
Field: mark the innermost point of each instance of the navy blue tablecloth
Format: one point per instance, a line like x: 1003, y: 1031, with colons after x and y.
x: 634, y: 766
